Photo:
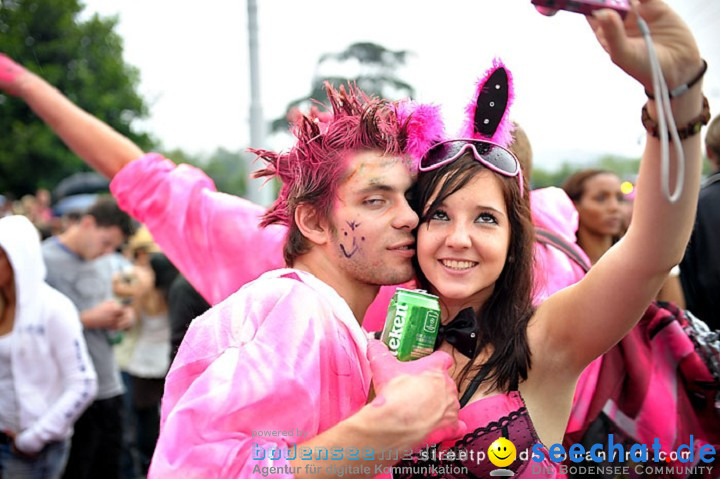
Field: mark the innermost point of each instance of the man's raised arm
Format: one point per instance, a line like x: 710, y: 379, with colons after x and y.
x: 95, y: 142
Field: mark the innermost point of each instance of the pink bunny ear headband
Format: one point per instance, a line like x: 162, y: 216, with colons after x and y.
x: 487, y: 129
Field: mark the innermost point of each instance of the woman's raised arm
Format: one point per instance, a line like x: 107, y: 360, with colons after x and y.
x: 585, y: 320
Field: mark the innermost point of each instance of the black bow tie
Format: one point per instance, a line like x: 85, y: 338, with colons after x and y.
x: 461, y: 332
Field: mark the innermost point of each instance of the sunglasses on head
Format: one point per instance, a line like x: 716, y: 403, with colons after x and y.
x: 492, y: 156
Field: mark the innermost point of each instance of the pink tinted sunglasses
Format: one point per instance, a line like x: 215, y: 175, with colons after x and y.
x: 492, y: 156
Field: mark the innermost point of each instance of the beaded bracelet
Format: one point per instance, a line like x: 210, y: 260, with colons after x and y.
x: 676, y: 92
x: 692, y: 128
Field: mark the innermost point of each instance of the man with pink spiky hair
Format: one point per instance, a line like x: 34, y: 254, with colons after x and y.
x: 283, y: 362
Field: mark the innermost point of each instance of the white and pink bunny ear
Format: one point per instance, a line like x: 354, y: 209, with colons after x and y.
x: 488, y: 114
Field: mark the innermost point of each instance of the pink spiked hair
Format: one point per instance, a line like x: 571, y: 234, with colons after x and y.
x: 311, y: 171
x: 487, y: 114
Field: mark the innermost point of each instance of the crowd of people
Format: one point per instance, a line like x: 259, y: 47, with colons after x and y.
x: 229, y: 336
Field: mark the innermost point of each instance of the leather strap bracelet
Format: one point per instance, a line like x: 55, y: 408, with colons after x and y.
x: 692, y: 128
x: 676, y: 92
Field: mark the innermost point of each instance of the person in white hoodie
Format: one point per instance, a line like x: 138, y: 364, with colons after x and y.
x: 46, y: 376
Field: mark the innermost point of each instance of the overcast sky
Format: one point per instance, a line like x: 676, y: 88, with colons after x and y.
x: 573, y: 102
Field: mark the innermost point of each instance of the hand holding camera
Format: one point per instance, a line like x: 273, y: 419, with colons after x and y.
x: 615, y: 23
x: 586, y: 7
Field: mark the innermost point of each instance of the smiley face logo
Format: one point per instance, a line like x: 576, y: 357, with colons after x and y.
x: 502, y: 452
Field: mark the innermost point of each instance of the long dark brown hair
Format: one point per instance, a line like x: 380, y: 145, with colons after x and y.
x: 504, y: 317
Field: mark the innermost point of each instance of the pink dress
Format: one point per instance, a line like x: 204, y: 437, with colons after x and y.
x: 488, y: 419
x: 275, y: 364
x: 553, y: 210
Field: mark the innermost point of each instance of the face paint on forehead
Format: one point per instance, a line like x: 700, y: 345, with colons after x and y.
x: 380, y: 169
x: 370, y: 169
x: 377, y: 165
x: 409, y: 163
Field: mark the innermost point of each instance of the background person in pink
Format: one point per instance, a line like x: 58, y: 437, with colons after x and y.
x: 558, y: 260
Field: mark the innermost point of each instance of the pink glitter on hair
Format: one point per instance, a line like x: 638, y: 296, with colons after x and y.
x: 311, y: 171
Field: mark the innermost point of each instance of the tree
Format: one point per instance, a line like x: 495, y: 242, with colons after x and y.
x: 542, y: 178
x: 226, y: 168
x: 84, y: 59
x: 376, y: 75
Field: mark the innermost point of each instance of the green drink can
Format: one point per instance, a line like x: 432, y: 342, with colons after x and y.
x: 411, y: 325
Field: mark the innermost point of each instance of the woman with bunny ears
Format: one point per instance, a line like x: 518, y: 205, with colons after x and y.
x: 517, y: 366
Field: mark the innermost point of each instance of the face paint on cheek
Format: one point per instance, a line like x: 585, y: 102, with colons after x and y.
x: 352, y: 250
x: 349, y: 250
